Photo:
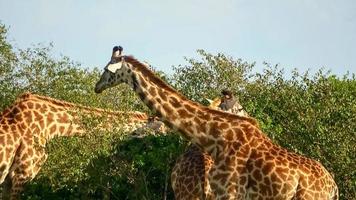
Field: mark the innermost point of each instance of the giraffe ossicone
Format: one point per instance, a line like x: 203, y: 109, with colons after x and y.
x: 247, y: 164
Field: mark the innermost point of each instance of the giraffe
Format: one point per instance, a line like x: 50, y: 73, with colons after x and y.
x: 247, y: 164
x: 190, y: 172
x: 32, y: 121
x: 235, y: 108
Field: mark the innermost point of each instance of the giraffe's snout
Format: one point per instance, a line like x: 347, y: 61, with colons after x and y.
x: 98, y: 89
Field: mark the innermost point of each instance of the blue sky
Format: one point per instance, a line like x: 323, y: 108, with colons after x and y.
x: 298, y: 34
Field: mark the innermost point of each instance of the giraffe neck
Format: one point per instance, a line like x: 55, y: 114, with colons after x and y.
x: 50, y: 117
x: 202, y: 125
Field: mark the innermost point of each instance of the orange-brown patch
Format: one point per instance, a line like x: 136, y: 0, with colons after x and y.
x: 204, y: 115
x: 53, y: 128
x: 61, y: 129
x: 267, y: 167
x: 197, y: 120
x: 174, y: 102
x: 224, y: 125
x: 158, y: 100
x: 282, y: 172
x: 167, y: 109
x: 62, y: 118
x: 152, y: 91
x: 184, y: 114
x: 163, y: 95
x: 30, y: 105
x: 30, y: 152
x: 240, y: 135
x: 190, y: 108
x: 229, y: 135
x: 37, y: 115
x: 37, y: 106
x: 257, y: 175
x: 41, y: 123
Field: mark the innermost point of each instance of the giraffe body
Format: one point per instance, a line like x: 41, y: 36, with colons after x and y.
x: 31, y: 122
x: 189, y: 176
x: 247, y: 165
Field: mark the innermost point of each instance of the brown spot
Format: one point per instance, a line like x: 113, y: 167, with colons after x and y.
x: 50, y: 118
x: 41, y: 124
x: 267, y: 167
x: 218, y: 118
x: 174, y: 102
x: 197, y: 120
x: 63, y: 119
x: 5, y: 128
x: 190, y: 108
x: 224, y: 125
x: 18, y: 117
x: 203, y: 127
x: 265, y: 189
x: 251, y: 183
x: 30, y: 105
x: 15, y: 111
x: 3, y: 167
x: 243, y: 180
x: 152, y: 91
x: 257, y: 175
x: 38, y: 106
x: 184, y: 114
x: 14, y: 129
x: 9, y: 141
x: 259, y: 163
x: 61, y: 129
x: 236, y: 145
x: 43, y: 108
x: 30, y: 152
x: 22, y: 106
x: 162, y: 95
x: 53, y: 129
x: 28, y: 116
x: 204, y: 115
x: 38, y: 116
x: 158, y: 100
x: 214, y: 131
x: 8, y: 152
x: 53, y: 109
x: 229, y: 135
x: 167, y: 108
x: 24, y: 156
x: 240, y: 135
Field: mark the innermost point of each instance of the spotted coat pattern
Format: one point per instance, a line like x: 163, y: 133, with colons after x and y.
x: 247, y: 164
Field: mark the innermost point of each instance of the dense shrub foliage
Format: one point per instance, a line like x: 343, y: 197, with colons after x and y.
x: 314, y: 115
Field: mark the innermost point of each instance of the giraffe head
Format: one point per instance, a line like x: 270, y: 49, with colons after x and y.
x: 115, y: 72
x: 229, y: 103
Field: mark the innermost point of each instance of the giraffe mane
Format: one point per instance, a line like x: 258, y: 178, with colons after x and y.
x: 28, y: 96
x: 154, y: 78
